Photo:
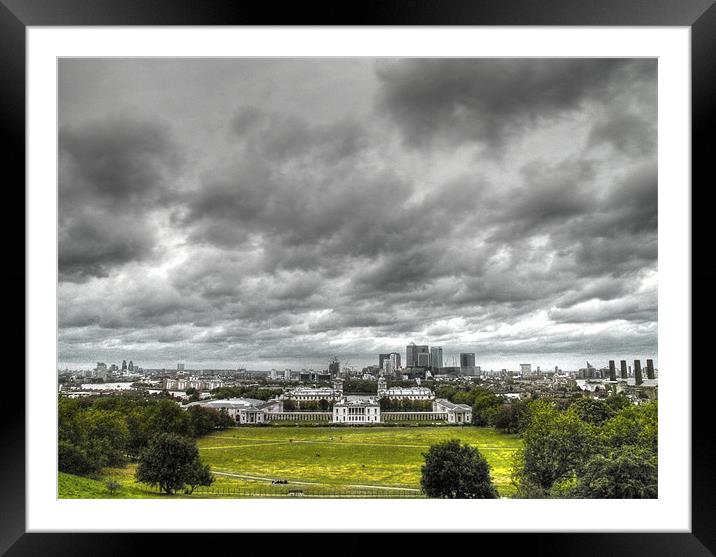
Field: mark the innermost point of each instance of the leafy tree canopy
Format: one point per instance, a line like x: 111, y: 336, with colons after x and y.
x: 171, y: 462
x: 455, y: 471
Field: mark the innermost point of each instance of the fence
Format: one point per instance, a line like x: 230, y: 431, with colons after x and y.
x: 305, y: 492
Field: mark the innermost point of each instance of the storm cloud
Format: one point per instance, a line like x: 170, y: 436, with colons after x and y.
x: 289, y: 210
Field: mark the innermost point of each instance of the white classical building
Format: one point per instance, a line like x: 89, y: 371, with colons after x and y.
x: 456, y: 413
x: 243, y: 410
x: 408, y: 393
x: 313, y: 394
x: 349, y: 410
x: 182, y: 384
x: 357, y: 410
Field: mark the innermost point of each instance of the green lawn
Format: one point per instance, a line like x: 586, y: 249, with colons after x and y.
x: 317, y: 458
x: 330, y: 456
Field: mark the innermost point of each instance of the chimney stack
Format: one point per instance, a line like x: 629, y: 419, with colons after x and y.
x: 637, y: 372
x: 650, y: 369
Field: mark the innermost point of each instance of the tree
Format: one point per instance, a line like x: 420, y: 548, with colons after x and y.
x: 225, y: 420
x: 629, y: 473
x: 170, y: 461
x: 106, y: 436
x: 203, y: 420
x: 512, y: 417
x: 200, y: 474
x: 555, y: 445
x: 167, y: 417
x: 485, y: 407
x: 73, y: 459
x: 455, y: 471
x: 591, y: 410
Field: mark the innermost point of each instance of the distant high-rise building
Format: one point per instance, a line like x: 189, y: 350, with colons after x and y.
x: 412, y: 352
x: 525, y: 369
x: 612, y: 371
x: 637, y: 372
x: 180, y: 367
x: 436, y: 357
x: 467, y: 359
x: 423, y: 359
x: 467, y: 363
x: 334, y: 367
x: 395, y: 361
x: 389, y: 356
x: 624, y: 371
x: 650, y: 369
x: 124, y: 365
x: 391, y: 364
x: 131, y: 365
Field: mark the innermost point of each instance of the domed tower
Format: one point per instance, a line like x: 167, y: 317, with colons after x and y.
x: 382, y: 387
x: 338, y: 388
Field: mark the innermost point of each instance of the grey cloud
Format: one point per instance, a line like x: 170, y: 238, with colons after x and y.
x: 120, y: 159
x: 91, y: 243
x: 291, y: 236
x: 485, y: 100
x: 112, y: 171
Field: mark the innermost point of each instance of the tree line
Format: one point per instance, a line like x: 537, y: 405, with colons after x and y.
x: 99, y: 432
x: 256, y: 392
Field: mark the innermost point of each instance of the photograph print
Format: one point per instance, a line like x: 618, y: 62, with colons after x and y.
x: 375, y: 278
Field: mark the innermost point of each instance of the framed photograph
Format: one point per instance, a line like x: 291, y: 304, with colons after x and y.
x: 426, y: 269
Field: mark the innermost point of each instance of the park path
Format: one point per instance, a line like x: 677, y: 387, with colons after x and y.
x: 323, y: 442
x: 295, y: 482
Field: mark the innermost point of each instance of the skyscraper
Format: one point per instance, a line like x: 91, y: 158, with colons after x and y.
x: 334, y: 367
x: 412, y: 352
x: 436, y: 357
x: 525, y: 369
x: 623, y: 364
x: 467, y: 363
x: 389, y: 356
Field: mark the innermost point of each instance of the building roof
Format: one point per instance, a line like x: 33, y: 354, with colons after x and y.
x: 452, y: 406
x: 408, y: 391
x: 311, y: 391
x: 357, y: 401
x: 234, y: 403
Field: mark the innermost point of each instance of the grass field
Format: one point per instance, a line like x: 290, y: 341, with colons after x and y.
x: 319, y: 458
x: 375, y: 457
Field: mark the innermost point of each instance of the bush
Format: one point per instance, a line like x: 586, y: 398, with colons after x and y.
x: 74, y: 460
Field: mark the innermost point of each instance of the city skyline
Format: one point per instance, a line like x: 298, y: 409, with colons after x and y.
x: 262, y: 213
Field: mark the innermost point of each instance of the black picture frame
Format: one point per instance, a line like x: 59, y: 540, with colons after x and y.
x: 699, y: 15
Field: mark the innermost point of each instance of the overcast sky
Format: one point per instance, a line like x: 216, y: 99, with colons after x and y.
x: 268, y: 213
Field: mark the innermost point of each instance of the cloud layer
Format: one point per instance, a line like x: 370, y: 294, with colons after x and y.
x: 497, y: 206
